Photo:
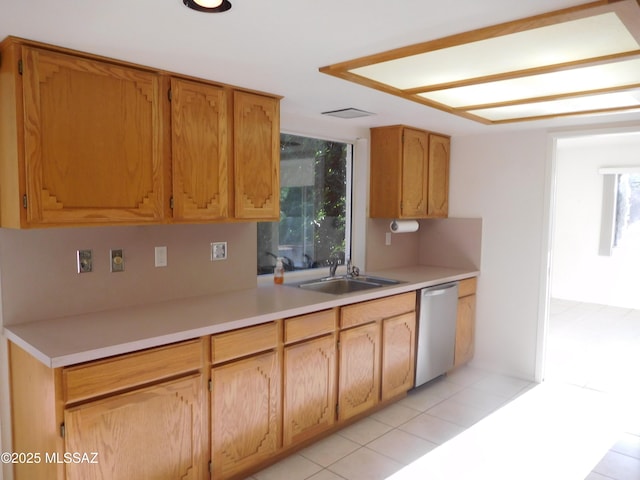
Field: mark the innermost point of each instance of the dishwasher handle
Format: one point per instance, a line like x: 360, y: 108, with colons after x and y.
x: 438, y: 290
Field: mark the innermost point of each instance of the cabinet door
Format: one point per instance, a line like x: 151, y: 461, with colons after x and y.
x: 309, y: 388
x: 200, y: 150
x: 359, y: 377
x: 465, y: 330
x: 414, y: 173
x: 385, y: 180
x: 93, y: 137
x: 256, y: 156
x: 155, y: 432
x: 438, y: 176
x: 398, y: 354
x: 246, y: 413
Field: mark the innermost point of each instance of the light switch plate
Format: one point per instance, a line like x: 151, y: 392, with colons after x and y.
x: 84, y: 261
x: 117, y: 260
x: 218, y: 251
x: 161, y: 256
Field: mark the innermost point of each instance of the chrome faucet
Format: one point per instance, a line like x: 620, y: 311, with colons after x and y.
x: 352, y: 270
x: 333, y: 266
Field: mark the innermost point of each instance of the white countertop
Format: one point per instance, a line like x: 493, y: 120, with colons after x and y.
x: 75, y: 339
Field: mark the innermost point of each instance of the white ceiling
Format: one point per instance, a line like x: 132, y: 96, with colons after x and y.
x: 277, y: 46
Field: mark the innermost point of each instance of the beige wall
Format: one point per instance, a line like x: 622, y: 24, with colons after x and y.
x: 446, y: 242
x: 40, y: 280
x: 451, y: 242
x: 402, y: 252
x: 502, y: 178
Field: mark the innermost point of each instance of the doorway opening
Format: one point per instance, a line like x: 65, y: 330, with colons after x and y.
x: 593, y: 327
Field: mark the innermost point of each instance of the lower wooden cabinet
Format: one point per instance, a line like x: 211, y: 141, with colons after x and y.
x: 465, y: 322
x: 398, y: 355
x: 246, y: 413
x: 376, y: 358
x: 359, y: 376
x: 155, y: 432
x: 143, y: 413
x: 272, y: 387
x: 309, y: 388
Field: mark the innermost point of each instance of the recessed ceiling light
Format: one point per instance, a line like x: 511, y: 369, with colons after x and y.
x: 210, y: 6
x: 348, y: 113
x: 538, y: 67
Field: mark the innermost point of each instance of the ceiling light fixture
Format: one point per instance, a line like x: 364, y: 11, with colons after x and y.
x: 211, y: 6
x: 579, y: 60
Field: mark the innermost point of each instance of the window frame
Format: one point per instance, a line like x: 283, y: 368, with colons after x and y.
x: 609, y: 206
x: 349, y: 207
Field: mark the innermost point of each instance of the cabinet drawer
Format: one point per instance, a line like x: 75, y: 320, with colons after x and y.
x: 105, y: 376
x: 309, y: 326
x: 377, y: 309
x: 243, y: 342
x: 467, y: 287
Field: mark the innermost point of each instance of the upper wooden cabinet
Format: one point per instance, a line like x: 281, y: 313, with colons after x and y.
x: 438, y: 189
x: 200, y: 150
x: 409, y: 173
x: 93, y: 143
x: 256, y: 156
x: 86, y: 140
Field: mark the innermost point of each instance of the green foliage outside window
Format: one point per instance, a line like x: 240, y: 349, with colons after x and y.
x: 314, y: 206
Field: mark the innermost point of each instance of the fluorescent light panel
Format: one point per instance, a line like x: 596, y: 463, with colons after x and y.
x: 536, y: 63
x: 554, y: 108
x: 610, y: 75
x: 550, y: 45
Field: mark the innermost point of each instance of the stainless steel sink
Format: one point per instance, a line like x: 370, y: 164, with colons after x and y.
x: 342, y: 285
x: 382, y: 281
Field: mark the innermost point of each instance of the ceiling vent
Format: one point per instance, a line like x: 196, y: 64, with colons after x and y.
x: 348, y: 113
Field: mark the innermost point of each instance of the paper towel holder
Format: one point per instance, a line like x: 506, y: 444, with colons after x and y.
x: 403, y: 226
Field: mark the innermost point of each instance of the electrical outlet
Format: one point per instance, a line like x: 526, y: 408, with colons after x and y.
x: 84, y: 261
x: 161, y: 256
x: 117, y: 260
x: 218, y: 251
x: 387, y: 238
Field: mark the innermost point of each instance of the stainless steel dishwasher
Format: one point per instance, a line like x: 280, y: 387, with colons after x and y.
x: 438, y: 309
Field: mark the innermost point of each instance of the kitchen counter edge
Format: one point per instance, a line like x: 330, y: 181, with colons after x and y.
x: 81, y: 338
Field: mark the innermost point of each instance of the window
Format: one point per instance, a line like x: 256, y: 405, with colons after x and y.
x: 620, y: 211
x: 627, y: 223
x: 315, y: 206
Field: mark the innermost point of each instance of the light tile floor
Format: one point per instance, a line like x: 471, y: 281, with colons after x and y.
x: 381, y: 444
x: 594, y: 346
x: 598, y: 347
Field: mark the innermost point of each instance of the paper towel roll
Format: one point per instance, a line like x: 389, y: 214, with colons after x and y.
x: 403, y: 226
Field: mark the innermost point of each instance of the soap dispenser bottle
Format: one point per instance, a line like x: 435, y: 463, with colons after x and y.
x: 278, y: 272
